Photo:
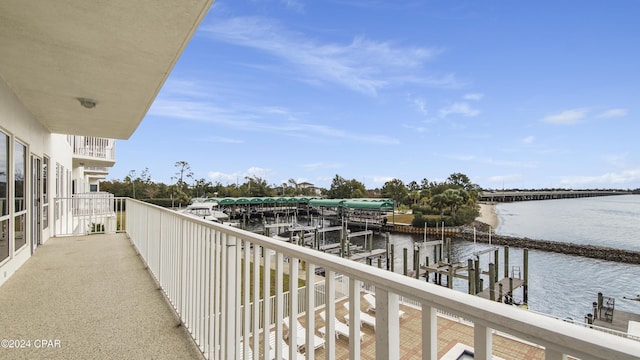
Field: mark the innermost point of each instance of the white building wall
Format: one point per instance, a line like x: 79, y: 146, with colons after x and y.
x: 20, y: 125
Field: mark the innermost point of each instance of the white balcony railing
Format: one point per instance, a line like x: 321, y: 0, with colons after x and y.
x: 93, y: 147
x: 88, y: 213
x: 96, y: 169
x: 206, y: 271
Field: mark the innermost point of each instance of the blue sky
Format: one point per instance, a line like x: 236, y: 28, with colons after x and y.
x: 514, y: 94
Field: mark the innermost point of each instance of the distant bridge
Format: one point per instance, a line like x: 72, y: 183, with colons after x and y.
x: 510, y: 196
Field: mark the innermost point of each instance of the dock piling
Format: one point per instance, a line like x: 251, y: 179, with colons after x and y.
x: 510, y: 290
x: 392, y: 258
x: 506, y: 261
x: 404, y: 261
x: 496, y: 258
x: 525, y: 287
x: 492, y: 282
x: 478, y: 280
x: 426, y: 273
x: 416, y: 262
x: 471, y: 277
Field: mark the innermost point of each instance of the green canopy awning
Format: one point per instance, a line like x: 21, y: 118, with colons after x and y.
x: 368, y: 205
x: 326, y: 202
x: 227, y: 201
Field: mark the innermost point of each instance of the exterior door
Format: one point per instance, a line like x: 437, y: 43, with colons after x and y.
x: 36, y: 207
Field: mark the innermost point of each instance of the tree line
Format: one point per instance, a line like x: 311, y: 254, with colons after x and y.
x: 452, y: 200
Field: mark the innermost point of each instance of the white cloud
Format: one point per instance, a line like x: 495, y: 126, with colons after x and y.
x: 421, y: 105
x: 239, y: 177
x: 259, y: 172
x: 528, y: 140
x: 463, y: 157
x: 501, y: 179
x: 613, y: 113
x: 379, y: 181
x: 475, y: 96
x: 568, y: 117
x: 609, y: 179
x: 419, y: 129
x: 189, y: 102
x: 224, y: 178
x: 322, y: 165
x: 461, y: 108
x: 293, y: 4
x: 220, y: 139
x: 363, y: 65
x: 619, y: 160
x: 512, y: 164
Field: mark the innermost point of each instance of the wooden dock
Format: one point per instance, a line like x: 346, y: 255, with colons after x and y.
x: 367, y: 254
x: 408, y: 229
x: 505, y: 288
x: 605, y: 315
x: 620, y: 321
x: 335, y: 248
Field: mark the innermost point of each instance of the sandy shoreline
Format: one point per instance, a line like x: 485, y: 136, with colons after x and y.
x: 488, y: 215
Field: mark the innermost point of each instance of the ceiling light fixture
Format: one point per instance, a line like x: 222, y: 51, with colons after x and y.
x: 87, y: 103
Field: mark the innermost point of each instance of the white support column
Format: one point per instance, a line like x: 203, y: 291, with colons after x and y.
x: 224, y: 293
x: 429, y: 333
x: 279, y: 315
x: 217, y: 294
x: 231, y: 310
x: 256, y: 300
x: 387, y: 325
x: 236, y: 283
x: 211, y: 291
x: 266, y: 294
x: 310, y: 300
x: 330, y: 315
x: 293, y: 303
x: 354, y: 331
x: 481, y: 342
x: 246, y: 281
x: 198, y: 240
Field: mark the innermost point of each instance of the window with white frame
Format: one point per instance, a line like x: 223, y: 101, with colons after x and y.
x: 4, y: 196
x: 20, y: 192
x: 45, y: 192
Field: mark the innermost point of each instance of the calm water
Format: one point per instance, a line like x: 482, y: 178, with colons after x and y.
x: 566, y: 285
x: 561, y: 285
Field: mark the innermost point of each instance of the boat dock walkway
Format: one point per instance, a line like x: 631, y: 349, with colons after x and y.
x: 367, y: 254
x: 505, y: 287
x: 620, y: 321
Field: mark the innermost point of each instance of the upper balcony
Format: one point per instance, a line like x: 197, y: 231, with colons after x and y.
x: 90, y: 151
x: 211, y: 275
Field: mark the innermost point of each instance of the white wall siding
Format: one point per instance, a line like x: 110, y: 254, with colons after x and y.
x: 20, y: 125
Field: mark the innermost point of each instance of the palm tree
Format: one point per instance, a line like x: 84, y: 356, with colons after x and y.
x: 439, y: 201
x: 454, y: 200
x: 414, y: 195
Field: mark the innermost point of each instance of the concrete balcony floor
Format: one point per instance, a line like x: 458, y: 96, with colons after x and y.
x: 91, y: 297
x: 94, y: 296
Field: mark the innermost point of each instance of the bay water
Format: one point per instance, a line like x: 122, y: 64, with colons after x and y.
x: 560, y: 285
x: 566, y: 285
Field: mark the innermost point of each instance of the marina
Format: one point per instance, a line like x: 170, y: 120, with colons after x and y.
x: 426, y: 255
